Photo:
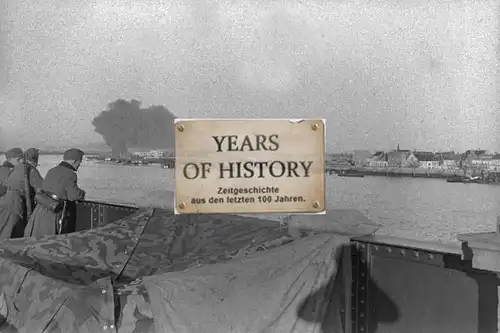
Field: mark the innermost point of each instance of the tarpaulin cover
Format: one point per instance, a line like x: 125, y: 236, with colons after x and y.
x: 272, y: 292
x: 156, y: 272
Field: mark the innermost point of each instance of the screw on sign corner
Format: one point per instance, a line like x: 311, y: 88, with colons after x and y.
x: 315, y: 127
x: 180, y: 128
x: 315, y: 204
x: 182, y: 205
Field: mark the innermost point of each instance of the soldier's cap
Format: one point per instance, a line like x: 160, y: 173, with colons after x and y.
x: 32, y: 154
x: 14, y: 153
x: 73, y: 154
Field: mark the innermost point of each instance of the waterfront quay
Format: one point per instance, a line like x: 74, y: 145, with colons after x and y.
x: 394, y: 172
x: 420, y: 164
x: 394, y: 163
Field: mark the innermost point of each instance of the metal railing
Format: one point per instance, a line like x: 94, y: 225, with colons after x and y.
x: 93, y: 214
x: 405, y: 286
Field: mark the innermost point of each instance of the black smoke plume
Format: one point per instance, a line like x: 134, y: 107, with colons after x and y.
x: 126, y: 125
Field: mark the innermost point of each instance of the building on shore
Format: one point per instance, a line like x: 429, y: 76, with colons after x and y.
x: 427, y: 160
x: 472, y: 158
x: 401, y: 158
x: 151, y: 154
x: 378, y: 160
x: 449, y: 160
x: 361, y: 157
x: 339, y: 158
x: 482, y: 162
x: 411, y: 161
x: 494, y: 163
x: 395, y: 159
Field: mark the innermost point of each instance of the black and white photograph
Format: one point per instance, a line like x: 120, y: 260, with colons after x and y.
x: 249, y: 166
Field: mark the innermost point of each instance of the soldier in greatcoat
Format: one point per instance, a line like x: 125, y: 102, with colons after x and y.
x: 62, y: 182
x: 13, y: 205
x: 12, y: 157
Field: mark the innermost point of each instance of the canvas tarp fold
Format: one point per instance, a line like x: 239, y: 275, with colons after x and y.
x: 138, y: 274
x: 63, y: 283
x: 37, y: 303
x: 79, y: 258
x: 268, y: 292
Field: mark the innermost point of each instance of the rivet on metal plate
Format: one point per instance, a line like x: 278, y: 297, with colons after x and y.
x: 362, y: 246
x: 402, y: 252
x: 430, y: 256
x: 416, y: 254
x: 389, y: 249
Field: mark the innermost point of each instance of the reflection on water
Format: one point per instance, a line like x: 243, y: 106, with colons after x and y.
x: 425, y: 209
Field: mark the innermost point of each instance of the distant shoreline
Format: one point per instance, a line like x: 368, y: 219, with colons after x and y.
x: 397, y: 172
x: 43, y: 152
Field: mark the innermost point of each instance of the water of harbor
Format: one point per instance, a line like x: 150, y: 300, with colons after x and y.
x: 417, y: 208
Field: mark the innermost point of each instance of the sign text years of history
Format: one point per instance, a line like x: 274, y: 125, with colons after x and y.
x: 248, y: 169
x: 249, y: 166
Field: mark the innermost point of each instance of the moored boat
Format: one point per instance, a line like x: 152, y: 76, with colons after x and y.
x: 350, y: 173
x: 466, y: 180
x: 457, y: 179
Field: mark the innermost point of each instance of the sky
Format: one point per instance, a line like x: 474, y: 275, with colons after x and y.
x: 420, y: 73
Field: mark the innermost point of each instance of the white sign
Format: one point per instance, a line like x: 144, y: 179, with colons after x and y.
x: 250, y: 166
